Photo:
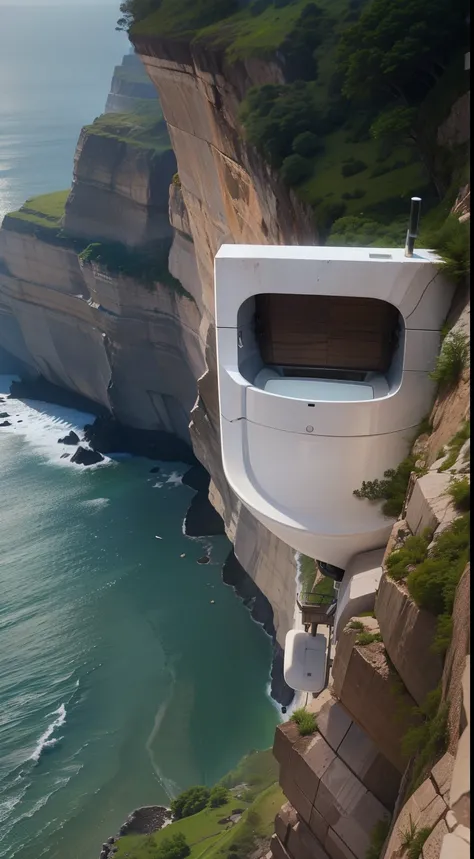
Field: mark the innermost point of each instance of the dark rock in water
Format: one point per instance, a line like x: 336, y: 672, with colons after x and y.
x: 20, y: 421
x: 65, y: 456
x: 234, y: 574
x: 4, y: 415
x: 197, y: 478
x: 40, y: 389
x: 155, y: 470
x: 202, y: 520
x: 144, y: 821
x: 108, y: 436
x: 111, y: 840
x: 204, y: 560
x: 5, y: 424
x: 83, y: 456
x: 70, y: 438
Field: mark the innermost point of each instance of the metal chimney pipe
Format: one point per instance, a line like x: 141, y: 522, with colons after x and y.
x: 413, y: 225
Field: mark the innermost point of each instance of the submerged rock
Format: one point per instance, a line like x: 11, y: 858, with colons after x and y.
x: 70, y: 438
x: 204, y: 560
x: 5, y: 424
x: 84, y: 456
x: 4, y: 415
x: 155, y: 470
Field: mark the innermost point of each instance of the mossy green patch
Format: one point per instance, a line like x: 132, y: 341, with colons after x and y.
x: 145, y: 128
x: 44, y: 211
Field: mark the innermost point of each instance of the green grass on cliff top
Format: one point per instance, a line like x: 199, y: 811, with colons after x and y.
x: 208, y: 839
x: 45, y: 211
x: 242, y: 33
x: 145, y: 128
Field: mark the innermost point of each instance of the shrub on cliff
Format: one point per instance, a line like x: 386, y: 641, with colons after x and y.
x: 305, y: 721
x: 452, y: 360
x: 175, y: 847
x: 190, y: 801
x: 295, y: 169
x: 219, y: 796
x: 392, y: 489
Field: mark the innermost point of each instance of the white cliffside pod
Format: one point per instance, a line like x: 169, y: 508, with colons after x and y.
x: 343, y: 336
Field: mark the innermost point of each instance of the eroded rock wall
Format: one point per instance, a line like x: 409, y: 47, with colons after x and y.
x: 227, y: 194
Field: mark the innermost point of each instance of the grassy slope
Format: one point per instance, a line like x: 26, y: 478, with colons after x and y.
x: 244, y: 35
x: 207, y: 838
x: 44, y: 211
x: 145, y: 128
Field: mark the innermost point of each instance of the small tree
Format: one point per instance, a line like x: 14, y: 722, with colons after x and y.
x: 306, y: 144
x: 295, y: 169
x: 190, y: 801
x: 219, y: 796
x: 175, y: 847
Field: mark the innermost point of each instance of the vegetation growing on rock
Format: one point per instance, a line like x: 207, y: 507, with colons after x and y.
x: 305, y: 721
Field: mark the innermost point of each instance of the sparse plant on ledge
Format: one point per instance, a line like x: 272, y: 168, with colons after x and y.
x: 305, y: 721
x: 356, y: 624
x: 455, y: 445
x: 401, y: 561
x: 452, y: 360
x: 413, y: 839
x: 378, y: 836
x: 460, y: 492
x: 426, y: 742
x: 365, y: 638
x: 392, y: 489
x: 176, y: 180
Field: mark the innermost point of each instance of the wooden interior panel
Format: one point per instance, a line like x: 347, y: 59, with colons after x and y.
x: 326, y: 331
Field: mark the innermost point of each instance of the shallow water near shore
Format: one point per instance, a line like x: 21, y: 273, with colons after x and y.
x: 120, y: 681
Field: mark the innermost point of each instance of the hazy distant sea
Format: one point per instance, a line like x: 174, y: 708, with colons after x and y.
x: 127, y: 670
x: 56, y: 66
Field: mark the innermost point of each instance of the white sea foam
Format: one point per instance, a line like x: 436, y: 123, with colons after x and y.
x: 43, y: 424
x: 44, y: 741
x: 96, y: 504
x: 158, y: 485
x: 175, y: 479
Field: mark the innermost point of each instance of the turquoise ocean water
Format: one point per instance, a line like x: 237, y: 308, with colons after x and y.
x: 120, y: 682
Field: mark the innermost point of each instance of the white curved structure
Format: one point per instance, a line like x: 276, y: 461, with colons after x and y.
x: 323, y: 361
x: 304, y: 665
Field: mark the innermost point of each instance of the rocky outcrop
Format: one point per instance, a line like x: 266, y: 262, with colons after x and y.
x: 132, y: 350
x: 225, y: 193
x: 119, y: 191
x: 129, y: 84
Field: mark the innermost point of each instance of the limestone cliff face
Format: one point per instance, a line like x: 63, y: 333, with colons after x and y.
x: 129, y: 83
x: 133, y: 350
x: 119, y: 191
x: 227, y: 194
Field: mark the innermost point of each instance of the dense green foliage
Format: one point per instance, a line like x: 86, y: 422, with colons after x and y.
x: 366, y: 637
x: 148, y: 265
x: 460, y: 492
x: 174, y: 847
x: 190, y: 801
x: 45, y: 211
x: 452, y: 242
x: 413, y: 552
x: 218, y: 796
x: 305, y: 721
x: 378, y: 837
x: 392, y: 489
x: 452, y: 360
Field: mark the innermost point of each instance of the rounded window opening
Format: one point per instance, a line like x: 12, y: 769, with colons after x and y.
x: 321, y: 347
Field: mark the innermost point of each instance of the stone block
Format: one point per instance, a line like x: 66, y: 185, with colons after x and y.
x: 365, y: 684
x: 302, y: 843
x: 442, y: 773
x: 451, y: 821
x: 460, y: 790
x: 319, y: 825
x: 454, y: 848
x: 285, y: 737
x: 407, y: 629
x: 284, y: 820
x: 295, y: 795
x: 434, y: 812
x: 378, y: 775
x: 333, y: 721
x: 335, y: 847
x: 432, y: 846
x: 429, y: 505
x: 277, y: 849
